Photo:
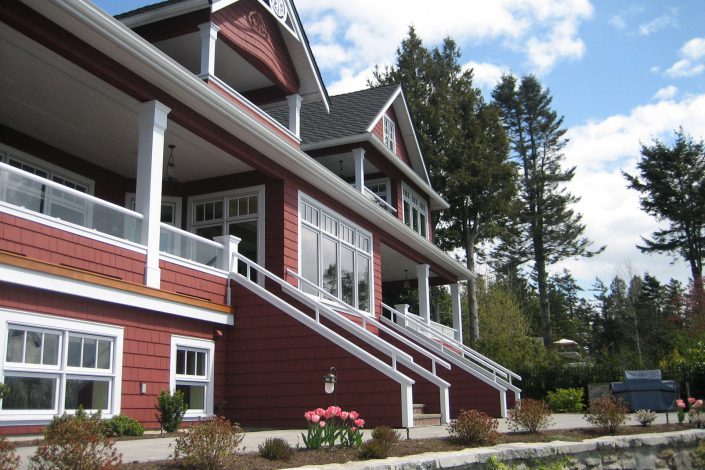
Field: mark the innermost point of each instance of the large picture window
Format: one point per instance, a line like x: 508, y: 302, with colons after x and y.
x: 53, y: 365
x: 192, y: 373
x: 415, y: 212
x: 335, y: 255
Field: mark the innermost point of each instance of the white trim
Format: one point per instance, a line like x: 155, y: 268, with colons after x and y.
x: 193, y: 265
x: 421, y: 210
x: 383, y: 110
x: 303, y: 197
x: 64, y: 327
x: 196, y: 343
x: 387, y: 182
x: 71, y: 228
x: 27, y: 277
x: 389, y: 132
x: 176, y: 200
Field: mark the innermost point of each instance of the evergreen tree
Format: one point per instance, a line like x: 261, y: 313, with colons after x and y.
x: 465, y: 146
x: 671, y: 181
x: 546, y: 229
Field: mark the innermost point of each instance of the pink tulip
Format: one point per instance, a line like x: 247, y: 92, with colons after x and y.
x: 680, y: 403
x: 328, y: 413
x: 691, y: 401
x: 322, y: 424
x: 698, y: 404
x: 319, y: 411
x: 308, y: 415
x: 343, y: 415
x: 354, y: 415
x: 315, y: 418
x: 353, y: 429
x: 359, y: 422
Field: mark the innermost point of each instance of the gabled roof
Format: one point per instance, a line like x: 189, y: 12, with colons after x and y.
x: 306, y: 66
x: 352, y: 118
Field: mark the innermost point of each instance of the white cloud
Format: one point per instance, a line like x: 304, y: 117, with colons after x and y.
x: 369, y: 31
x: 666, y: 93
x: 611, y: 212
x: 664, y: 21
x: 484, y: 74
x: 619, y: 20
x: 691, y: 53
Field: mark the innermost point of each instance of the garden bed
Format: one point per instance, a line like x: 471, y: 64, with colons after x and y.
x: 252, y: 460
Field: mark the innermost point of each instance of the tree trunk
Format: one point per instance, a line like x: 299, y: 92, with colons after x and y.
x: 472, y: 285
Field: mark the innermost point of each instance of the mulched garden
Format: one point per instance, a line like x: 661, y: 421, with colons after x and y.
x: 250, y: 459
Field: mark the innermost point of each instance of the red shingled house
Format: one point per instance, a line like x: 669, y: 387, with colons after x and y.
x: 183, y: 206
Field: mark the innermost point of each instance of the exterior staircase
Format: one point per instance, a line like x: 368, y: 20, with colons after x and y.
x: 425, y: 419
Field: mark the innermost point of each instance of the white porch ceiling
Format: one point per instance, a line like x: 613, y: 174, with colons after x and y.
x: 56, y: 102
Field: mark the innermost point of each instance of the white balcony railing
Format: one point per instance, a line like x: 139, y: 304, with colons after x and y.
x: 187, y: 245
x: 57, y: 202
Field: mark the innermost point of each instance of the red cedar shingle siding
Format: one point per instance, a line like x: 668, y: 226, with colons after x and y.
x: 251, y: 31
x: 146, y: 345
x: 187, y: 281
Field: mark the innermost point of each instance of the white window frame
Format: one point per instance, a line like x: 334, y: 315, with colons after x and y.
x: 389, y: 133
x: 408, y: 196
x: 207, y: 346
x: 357, y: 232
x: 224, y: 195
x: 381, y: 181
x: 64, y: 327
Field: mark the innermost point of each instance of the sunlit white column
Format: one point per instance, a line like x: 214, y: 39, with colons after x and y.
x: 209, y: 35
x: 422, y: 274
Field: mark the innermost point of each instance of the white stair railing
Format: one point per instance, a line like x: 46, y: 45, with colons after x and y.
x: 466, y: 358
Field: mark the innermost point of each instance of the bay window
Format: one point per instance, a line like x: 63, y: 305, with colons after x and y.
x: 335, y: 255
x: 54, y: 365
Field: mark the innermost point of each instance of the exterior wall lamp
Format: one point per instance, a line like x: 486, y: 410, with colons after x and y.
x: 329, y: 380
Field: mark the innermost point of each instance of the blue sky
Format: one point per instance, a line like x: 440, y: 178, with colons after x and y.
x: 621, y: 72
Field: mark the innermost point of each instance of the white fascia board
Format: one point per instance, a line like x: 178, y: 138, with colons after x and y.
x: 415, y: 148
x: 104, y: 33
x: 165, y: 12
x: 382, y: 111
x: 54, y: 283
x: 220, y: 4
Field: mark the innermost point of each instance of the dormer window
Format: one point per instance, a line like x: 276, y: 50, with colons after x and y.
x: 390, y: 139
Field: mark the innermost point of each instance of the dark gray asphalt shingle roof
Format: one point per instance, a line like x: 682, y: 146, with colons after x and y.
x: 350, y: 114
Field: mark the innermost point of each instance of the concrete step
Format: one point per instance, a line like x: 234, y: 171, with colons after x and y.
x: 418, y: 408
x: 427, y: 419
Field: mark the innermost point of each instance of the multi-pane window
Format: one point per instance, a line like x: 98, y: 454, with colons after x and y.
x: 54, y: 367
x: 38, y: 197
x: 335, y: 255
x: 415, y: 212
x: 235, y: 214
x: 192, y: 373
x: 390, y: 138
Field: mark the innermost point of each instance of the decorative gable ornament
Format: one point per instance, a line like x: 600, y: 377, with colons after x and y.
x: 280, y: 10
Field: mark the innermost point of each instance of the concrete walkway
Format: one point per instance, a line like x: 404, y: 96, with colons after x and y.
x: 144, y: 450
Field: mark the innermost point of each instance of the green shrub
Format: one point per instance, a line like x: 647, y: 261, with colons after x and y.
x: 57, y: 422
x: 566, y: 400
x: 76, y: 442
x: 122, y: 425
x: 607, y: 413
x: 276, y: 448
x: 383, y: 439
x: 170, y: 410
x: 8, y: 454
x: 529, y: 415
x: 474, y: 427
x: 210, y: 444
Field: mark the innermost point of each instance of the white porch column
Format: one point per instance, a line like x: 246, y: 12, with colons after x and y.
x: 227, y: 262
x: 403, y: 309
x: 148, y: 194
x: 422, y: 273
x: 359, y: 155
x: 209, y: 34
x: 294, y: 102
x: 457, y: 311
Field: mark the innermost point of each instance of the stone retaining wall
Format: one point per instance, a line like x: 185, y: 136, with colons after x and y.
x: 671, y: 450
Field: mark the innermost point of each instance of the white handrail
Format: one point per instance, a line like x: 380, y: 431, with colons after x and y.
x: 373, y: 321
x: 190, y: 235
x: 71, y: 191
x: 474, y: 355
